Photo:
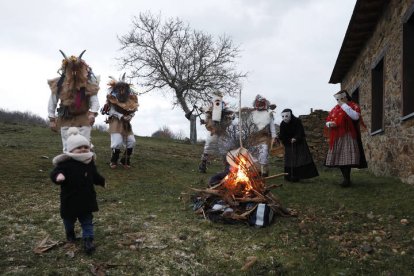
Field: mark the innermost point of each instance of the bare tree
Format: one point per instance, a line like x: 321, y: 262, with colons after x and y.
x: 173, y: 57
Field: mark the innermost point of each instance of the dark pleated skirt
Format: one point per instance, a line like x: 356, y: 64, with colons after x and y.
x: 299, y: 162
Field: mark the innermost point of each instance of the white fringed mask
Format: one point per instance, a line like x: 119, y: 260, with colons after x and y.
x: 286, y: 117
x: 340, y: 96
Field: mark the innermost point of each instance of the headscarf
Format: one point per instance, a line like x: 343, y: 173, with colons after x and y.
x: 293, y: 129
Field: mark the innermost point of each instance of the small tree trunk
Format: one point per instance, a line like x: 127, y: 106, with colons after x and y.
x: 193, y: 129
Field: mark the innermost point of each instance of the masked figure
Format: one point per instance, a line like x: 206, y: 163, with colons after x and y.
x: 76, y: 92
x: 343, y: 130
x: 218, y: 117
x: 262, y: 132
x: 121, y: 105
x: 298, y: 159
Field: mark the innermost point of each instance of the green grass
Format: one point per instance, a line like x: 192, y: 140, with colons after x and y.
x: 146, y: 225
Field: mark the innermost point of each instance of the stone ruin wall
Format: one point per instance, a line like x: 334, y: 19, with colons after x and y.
x: 314, y: 125
x: 389, y: 153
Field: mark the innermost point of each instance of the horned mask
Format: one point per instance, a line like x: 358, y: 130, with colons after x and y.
x: 75, y: 70
x: 120, y: 88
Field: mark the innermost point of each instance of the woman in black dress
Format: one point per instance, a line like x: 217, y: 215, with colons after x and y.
x: 298, y: 159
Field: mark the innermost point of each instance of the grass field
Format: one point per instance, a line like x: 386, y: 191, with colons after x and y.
x: 146, y: 226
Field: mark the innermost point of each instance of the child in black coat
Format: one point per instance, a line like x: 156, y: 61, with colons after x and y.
x: 76, y: 173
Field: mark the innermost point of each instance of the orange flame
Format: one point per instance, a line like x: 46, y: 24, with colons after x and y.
x: 238, y: 180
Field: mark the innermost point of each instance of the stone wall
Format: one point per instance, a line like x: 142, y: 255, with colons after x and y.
x: 314, y: 124
x: 390, y: 152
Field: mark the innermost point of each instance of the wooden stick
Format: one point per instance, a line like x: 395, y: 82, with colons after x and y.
x: 275, y: 176
x: 254, y: 199
x: 234, y: 216
x: 230, y: 199
x: 208, y: 191
x: 250, y: 261
x: 272, y: 198
x: 245, y: 214
x: 273, y: 186
x: 218, y: 185
x: 236, y: 159
x: 240, y: 122
x: 258, y: 194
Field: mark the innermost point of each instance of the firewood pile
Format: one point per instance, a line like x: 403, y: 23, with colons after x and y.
x: 240, y: 194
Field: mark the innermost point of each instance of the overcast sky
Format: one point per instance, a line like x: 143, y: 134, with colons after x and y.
x: 288, y: 48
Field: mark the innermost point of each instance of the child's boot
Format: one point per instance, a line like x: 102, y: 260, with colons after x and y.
x: 70, y: 236
x: 88, y: 245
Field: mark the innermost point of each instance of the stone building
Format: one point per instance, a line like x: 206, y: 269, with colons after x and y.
x: 376, y: 65
x: 313, y: 124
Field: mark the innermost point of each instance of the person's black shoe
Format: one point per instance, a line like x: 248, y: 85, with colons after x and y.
x: 346, y: 183
x: 88, y: 245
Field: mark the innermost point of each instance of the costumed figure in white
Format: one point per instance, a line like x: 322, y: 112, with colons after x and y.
x: 121, y: 105
x: 76, y: 91
x: 218, y: 117
x: 262, y: 132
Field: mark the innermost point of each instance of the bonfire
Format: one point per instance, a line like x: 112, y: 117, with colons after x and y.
x: 237, y: 196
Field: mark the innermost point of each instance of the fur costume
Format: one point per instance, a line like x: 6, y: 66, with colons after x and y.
x: 215, y: 127
x: 217, y: 118
x: 261, y: 121
x: 121, y: 105
x: 76, y: 92
x: 74, y: 87
x: 217, y: 124
x: 262, y: 126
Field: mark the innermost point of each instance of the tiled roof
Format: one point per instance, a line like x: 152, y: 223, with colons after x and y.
x: 361, y: 26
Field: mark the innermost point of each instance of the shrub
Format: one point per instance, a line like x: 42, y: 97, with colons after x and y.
x: 17, y: 117
x: 163, y: 132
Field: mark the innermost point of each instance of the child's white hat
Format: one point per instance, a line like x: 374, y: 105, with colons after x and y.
x: 75, y: 139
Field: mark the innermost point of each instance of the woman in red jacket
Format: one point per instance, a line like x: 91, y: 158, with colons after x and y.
x: 345, y: 146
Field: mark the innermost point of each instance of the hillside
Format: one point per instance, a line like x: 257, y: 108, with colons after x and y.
x: 146, y: 225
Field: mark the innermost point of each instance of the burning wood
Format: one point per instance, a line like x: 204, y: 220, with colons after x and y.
x: 238, y: 195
